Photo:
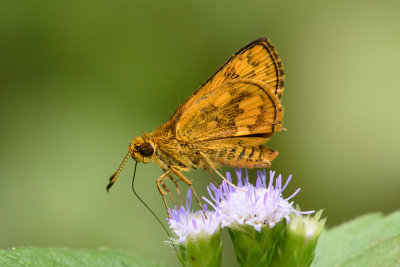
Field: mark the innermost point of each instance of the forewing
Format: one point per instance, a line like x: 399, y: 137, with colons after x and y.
x: 236, y: 108
x: 257, y: 61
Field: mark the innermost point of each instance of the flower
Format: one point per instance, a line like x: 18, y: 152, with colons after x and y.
x: 193, y: 225
x: 306, y: 226
x: 197, y: 235
x: 298, y: 245
x: 254, y: 215
x: 257, y: 205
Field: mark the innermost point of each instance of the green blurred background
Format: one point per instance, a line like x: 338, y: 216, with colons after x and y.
x: 80, y: 79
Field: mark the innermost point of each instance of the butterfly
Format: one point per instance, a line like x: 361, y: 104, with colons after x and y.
x: 225, y: 122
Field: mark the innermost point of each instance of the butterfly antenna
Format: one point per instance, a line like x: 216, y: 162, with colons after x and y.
x: 115, y: 175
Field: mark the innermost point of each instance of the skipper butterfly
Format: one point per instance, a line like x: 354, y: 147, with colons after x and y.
x: 225, y: 122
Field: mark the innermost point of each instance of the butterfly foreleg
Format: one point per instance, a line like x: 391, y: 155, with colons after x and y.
x: 189, y: 183
x: 162, y: 192
x: 166, y: 188
x: 177, y: 188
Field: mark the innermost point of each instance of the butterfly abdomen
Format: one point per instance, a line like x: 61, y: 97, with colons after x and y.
x: 245, y: 157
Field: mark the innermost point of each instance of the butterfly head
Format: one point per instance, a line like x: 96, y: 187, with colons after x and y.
x: 142, y: 149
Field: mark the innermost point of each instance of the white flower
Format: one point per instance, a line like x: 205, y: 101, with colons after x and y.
x: 255, y: 205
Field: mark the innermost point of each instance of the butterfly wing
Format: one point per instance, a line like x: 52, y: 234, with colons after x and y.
x: 257, y: 62
x: 240, y: 107
x: 235, y: 111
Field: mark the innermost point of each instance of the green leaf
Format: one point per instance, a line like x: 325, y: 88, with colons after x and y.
x: 370, y: 240
x: 47, y: 257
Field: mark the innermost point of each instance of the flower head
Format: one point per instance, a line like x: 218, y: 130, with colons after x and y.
x: 306, y: 226
x: 197, y: 235
x: 257, y: 205
x: 193, y: 225
x: 298, y: 245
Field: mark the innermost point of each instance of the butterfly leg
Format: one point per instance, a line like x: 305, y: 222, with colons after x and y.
x: 177, y: 188
x: 212, y: 177
x: 162, y: 192
x: 209, y: 163
x: 168, y: 191
x: 189, y: 183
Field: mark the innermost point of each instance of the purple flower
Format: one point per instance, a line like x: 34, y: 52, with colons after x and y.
x: 193, y: 225
x: 257, y: 205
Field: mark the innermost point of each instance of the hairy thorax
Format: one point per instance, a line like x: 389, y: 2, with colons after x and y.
x: 166, y: 151
x: 171, y: 152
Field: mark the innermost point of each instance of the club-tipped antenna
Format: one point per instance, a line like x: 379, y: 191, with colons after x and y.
x: 115, y: 175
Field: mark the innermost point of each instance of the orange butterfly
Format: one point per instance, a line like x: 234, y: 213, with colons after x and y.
x: 225, y: 122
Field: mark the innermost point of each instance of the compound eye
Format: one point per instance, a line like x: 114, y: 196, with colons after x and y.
x: 146, y: 149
